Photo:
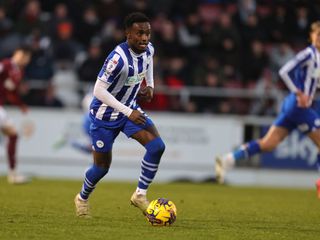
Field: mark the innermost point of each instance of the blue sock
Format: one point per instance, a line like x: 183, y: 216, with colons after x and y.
x: 150, y: 162
x: 92, y: 177
x: 247, y: 150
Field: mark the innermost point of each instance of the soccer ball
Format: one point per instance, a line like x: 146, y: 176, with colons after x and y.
x: 161, y: 212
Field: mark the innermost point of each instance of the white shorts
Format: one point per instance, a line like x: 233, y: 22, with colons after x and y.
x: 4, y: 120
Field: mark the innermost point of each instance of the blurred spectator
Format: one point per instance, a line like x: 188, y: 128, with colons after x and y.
x: 207, y: 65
x: 112, y: 34
x: 300, y: 27
x: 246, y: 9
x: 41, y: 64
x: 228, y: 40
x: 280, y: 54
x: 253, y: 63
x: 9, y: 39
x: 88, y: 26
x: 90, y: 67
x: 190, y: 35
x: 279, y: 23
x: 167, y: 40
x: 5, y: 22
x: 31, y: 18
x: 251, y: 30
x: 65, y: 47
x: 137, y: 6
x: 174, y: 77
x: 60, y: 15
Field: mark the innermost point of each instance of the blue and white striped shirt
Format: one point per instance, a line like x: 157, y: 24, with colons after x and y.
x: 123, y: 71
x: 303, y: 71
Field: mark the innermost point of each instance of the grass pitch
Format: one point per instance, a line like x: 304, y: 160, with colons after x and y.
x: 44, y: 210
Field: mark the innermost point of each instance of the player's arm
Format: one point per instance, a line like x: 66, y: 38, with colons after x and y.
x: 11, y: 84
x: 287, y: 74
x: 146, y: 93
x: 111, y: 70
x: 14, y: 98
x: 100, y: 91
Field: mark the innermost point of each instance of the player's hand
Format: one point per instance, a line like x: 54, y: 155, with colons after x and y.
x: 137, y: 117
x: 146, y: 94
x: 303, y: 100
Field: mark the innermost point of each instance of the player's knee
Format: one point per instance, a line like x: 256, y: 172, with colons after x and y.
x: 268, y: 147
x: 156, y: 146
x: 102, y: 160
x: 103, y: 165
x: 13, y: 136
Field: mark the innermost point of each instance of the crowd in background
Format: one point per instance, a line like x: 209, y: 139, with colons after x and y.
x: 207, y: 43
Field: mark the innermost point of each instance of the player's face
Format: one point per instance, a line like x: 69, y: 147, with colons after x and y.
x: 23, y: 58
x: 315, y: 38
x: 26, y: 59
x: 138, y: 36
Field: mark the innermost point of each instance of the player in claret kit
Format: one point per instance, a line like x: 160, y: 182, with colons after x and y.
x: 302, y: 76
x: 11, y: 74
x: 114, y: 109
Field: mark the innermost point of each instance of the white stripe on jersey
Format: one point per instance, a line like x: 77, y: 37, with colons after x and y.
x: 114, y: 115
x: 101, y: 111
x: 111, y: 65
x: 313, y: 77
x: 123, y: 72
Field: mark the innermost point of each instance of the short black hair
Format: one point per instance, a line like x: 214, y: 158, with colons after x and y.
x: 24, y: 48
x: 135, y: 17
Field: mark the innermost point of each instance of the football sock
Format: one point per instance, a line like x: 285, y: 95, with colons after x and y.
x: 11, y: 151
x: 92, y: 177
x: 140, y: 191
x: 247, y: 150
x: 150, y: 162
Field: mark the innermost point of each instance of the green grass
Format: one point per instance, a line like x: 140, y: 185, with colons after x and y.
x: 44, y: 210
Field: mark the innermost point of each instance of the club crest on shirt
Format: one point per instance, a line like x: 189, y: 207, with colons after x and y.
x: 111, y: 65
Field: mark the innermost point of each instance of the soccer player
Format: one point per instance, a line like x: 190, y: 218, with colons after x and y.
x: 301, y: 75
x: 82, y: 145
x: 114, y: 109
x: 11, y: 74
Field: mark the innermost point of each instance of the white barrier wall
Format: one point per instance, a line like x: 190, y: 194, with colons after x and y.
x: 192, y: 141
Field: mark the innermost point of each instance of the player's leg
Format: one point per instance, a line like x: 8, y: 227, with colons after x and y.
x: 8, y: 129
x: 273, y: 137
x: 155, y: 147
x: 84, y: 146
x: 102, y: 141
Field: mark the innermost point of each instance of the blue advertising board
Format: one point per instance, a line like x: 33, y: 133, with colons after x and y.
x: 297, y: 151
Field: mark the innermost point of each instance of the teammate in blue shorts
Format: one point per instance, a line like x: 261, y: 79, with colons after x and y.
x: 114, y: 109
x: 301, y: 75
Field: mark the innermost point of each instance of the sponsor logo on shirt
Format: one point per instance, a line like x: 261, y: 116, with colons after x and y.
x: 133, y: 80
